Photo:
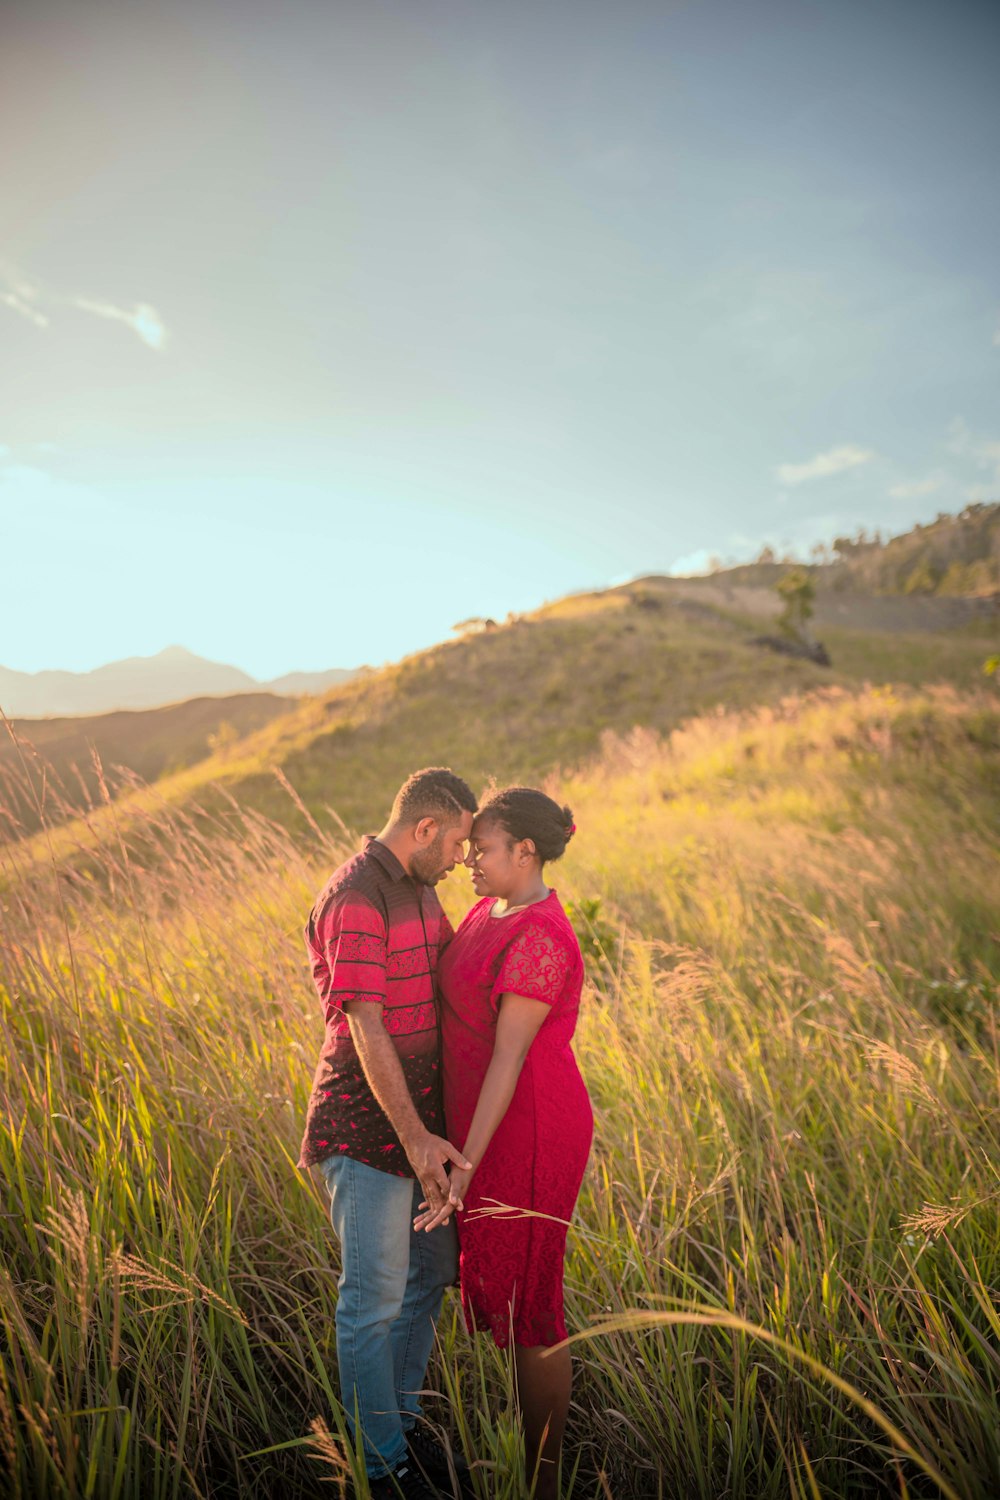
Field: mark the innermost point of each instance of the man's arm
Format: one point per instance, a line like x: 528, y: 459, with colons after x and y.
x: 425, y: 1152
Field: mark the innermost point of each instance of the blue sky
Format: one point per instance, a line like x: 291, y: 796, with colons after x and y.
x: 325, y: 326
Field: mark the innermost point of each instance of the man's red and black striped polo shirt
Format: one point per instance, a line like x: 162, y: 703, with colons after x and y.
x: 374, y: 934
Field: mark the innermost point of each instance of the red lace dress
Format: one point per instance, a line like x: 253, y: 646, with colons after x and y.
x: 512, y: 1267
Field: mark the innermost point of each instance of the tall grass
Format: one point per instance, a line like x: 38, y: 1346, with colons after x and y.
x: 786, y: 1253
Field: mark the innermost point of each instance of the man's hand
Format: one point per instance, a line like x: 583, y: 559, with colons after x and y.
x: 458, y: 1186
x: 427, y: 1155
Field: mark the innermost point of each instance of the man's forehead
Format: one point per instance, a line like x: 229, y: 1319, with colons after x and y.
x: 464, y: 828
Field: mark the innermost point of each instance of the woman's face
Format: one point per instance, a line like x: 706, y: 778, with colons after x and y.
x: 492, y: 858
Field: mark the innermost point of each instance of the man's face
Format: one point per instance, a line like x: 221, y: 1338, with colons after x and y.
x: 442, y: 849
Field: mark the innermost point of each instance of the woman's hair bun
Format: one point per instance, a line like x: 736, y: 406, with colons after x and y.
x: 523, y: 812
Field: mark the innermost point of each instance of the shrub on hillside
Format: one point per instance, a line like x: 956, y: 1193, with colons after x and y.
x: 797, y: 592
x: 598, y: 939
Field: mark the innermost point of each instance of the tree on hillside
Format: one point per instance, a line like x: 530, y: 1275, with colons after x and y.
x: 847, y: 546
x: 796, y: 591
x: 923, y: 579
x: 953, y: 554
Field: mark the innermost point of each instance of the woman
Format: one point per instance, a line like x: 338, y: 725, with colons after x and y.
x: 510, y: 984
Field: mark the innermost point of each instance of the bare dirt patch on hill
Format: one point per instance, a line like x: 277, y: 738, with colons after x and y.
x: 897, y: 614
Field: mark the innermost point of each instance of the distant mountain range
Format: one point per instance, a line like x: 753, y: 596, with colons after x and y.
x: 171, y: 676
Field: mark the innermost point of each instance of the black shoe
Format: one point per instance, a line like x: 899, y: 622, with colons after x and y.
x: 405, y: 1480
x: 437, y: 1462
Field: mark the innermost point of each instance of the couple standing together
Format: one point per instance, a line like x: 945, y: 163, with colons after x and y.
x: 478, y: 1021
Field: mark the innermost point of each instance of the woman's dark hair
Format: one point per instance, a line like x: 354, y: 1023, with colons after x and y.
x: 524, y: 813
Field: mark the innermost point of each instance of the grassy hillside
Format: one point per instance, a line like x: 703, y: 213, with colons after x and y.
x: 147, y: 742
x: 519, y: 700
x: 784, y: 1261
x: 953, y: 556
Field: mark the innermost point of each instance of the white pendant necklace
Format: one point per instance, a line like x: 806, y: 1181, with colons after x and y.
x: 521, y: 906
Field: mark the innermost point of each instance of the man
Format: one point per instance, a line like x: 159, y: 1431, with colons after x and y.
x: 375, y: 1126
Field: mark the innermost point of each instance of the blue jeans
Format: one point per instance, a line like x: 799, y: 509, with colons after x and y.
x: 390, y: 1292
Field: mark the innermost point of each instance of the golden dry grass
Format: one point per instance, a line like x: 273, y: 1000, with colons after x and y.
x: 786, y: 1249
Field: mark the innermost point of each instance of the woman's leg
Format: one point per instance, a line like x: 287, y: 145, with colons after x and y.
x: 544, y: 1385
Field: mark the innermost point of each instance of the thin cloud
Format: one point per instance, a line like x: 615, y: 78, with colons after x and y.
x: 910, y: 489
x: 959, y: 437
x: 694, y: 563
x: 29, y: 299
x: 833, y: 461
x: 988, y: 457
x: 143, y: 319
x: 996, y: 337
x: 25, y: 474
x: 984, y: 452
x: 798, y: 543
x: 20, y: 305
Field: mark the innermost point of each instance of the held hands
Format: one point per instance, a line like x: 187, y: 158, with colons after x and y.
x: 427, y: 1157
x: 458, y: 1186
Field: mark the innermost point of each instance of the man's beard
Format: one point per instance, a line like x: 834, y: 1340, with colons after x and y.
x: 428, y: 866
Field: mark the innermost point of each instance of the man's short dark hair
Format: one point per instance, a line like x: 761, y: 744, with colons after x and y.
x: 435, y: 792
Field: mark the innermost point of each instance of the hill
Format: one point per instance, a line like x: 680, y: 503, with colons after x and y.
x: 143, y: 744
x: 783, y: 1264
x: 955, y: 556
x: 539, y: 692
x: 171, y: 676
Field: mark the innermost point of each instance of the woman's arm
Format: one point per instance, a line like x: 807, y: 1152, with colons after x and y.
x: 517, y: 1026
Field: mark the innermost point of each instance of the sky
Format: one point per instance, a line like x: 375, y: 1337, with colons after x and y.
x: 324, y: 326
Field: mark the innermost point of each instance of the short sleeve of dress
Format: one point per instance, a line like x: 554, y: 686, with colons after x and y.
x: 352, y: 936
x: 536, y: 963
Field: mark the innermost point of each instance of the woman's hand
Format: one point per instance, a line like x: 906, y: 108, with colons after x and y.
x: 458, y: 1185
